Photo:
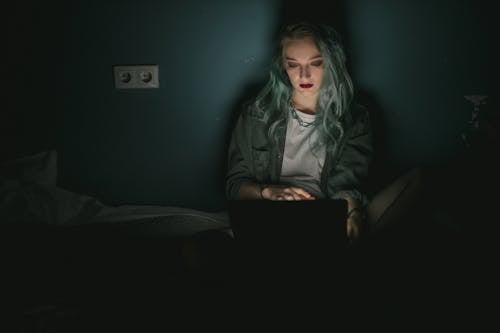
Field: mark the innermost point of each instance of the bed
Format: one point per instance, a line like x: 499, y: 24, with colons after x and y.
x: 61, y: 249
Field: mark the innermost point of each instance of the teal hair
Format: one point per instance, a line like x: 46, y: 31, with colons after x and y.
x: 336, y: 94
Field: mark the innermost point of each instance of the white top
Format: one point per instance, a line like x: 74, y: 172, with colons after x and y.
x: 302, y: 164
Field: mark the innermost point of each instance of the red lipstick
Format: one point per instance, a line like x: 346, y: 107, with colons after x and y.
x: 306, y: 85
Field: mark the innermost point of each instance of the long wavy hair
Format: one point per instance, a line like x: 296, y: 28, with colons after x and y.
x: 336, y: 93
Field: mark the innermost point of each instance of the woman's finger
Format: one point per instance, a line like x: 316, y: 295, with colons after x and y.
x: 301, y: 192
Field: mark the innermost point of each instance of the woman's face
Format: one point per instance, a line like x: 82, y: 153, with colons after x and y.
x: 304, y: 65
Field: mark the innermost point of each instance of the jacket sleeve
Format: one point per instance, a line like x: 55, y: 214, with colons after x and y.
x: 350, y: 167
x: 238, y: 157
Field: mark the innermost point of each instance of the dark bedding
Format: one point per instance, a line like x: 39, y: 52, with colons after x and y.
x: 61, y: 250
x: 29, y: 194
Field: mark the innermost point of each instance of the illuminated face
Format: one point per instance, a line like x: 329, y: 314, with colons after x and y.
x: 304, y: 65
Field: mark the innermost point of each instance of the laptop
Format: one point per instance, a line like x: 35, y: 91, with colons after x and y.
x: 289, y: 234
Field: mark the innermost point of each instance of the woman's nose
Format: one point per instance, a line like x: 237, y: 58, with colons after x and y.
x: 304, y: 72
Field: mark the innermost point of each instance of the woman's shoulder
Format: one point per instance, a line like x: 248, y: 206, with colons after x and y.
x: 252, y: 113
x: 359, y: 118
x: 359, y: 112
x: 247, y: 120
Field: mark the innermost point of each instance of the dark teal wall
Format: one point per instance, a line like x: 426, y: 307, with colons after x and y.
x: 161, y: 146
x: 415, y: 60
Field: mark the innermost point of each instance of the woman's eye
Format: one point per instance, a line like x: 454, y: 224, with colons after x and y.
x: 317, y: 63
x: 292, y: 65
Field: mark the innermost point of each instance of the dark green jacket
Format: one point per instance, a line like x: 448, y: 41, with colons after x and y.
x: 252, y: 158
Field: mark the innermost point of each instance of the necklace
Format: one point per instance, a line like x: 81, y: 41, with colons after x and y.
x: 300, y: 120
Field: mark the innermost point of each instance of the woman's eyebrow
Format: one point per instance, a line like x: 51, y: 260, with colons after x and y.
x: 312, y: 58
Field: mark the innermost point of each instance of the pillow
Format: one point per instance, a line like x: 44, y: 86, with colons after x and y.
x: 40, y: 168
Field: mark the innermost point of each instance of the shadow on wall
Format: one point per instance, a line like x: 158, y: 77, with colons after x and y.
x: 28, y: 119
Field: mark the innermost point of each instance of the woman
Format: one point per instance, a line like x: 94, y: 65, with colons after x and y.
x: 303, y: 138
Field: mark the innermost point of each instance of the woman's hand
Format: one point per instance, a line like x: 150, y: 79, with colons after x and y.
x: 355, y: 220
x: 286, y: 193
x: 354, y: 227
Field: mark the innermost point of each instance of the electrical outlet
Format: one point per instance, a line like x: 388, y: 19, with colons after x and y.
x: 136, y: 76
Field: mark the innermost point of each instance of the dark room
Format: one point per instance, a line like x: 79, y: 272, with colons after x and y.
x: 249, y: 162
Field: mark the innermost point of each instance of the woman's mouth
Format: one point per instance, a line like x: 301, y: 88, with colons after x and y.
x: 306, y: 85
